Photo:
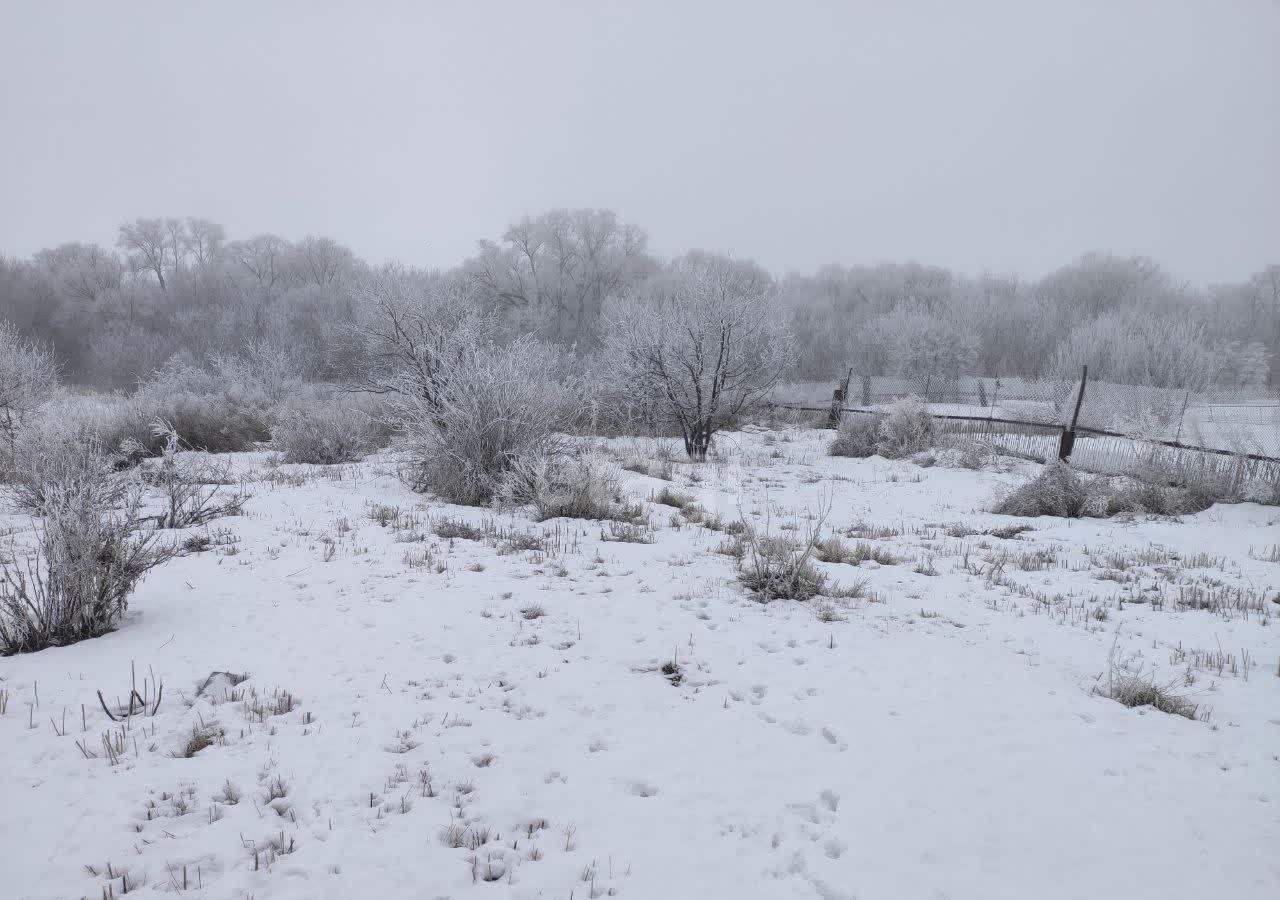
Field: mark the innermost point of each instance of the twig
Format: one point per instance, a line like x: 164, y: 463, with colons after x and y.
x: 104, y: 708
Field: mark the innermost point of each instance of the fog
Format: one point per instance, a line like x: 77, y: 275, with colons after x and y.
x: 561, y: 449
x: 983, y: 136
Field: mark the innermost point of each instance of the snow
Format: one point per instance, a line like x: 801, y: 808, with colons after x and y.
x: 940, y: 738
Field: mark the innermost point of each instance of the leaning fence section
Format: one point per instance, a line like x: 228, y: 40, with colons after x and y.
x: 1241, y: 421
x: 1098, y: 426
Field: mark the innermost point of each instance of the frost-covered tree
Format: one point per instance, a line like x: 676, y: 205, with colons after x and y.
x: 705, y: 348
x: 322, y: 261
x: 552, y: 273
x: 203, y: 241
x: 82, y: 272
x: 264, y: 259
x: 1242, y: 365
x: 149, y: 246
x: 917, y: 342
x: 28, y: 372
x: 412, y: 330
x: 1138, y: 347
x: 1098, y: 282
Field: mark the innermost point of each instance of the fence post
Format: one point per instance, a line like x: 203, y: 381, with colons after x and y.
x: 1186, y: 401
x: 928, y: 381
x: 1068, y: 440
x: 837, y: 406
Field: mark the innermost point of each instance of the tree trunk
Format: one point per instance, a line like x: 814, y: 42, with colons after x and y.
x: 697, y: 440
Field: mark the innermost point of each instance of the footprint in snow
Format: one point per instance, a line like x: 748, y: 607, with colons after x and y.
x: 643, y: 789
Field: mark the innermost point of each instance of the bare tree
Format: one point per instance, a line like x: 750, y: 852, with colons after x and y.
x: 81, y: 271
x: 178, y: 241
x: 204, y: 240
x: 146, y: 242
x: 706, y: 349
x: 412, y: 329
x: 263, y: 257
x: 322, y: 261
x: 553, y: 272
x: 1098, y: 282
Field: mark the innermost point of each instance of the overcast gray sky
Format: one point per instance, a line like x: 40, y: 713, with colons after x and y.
x: 1007, y: 136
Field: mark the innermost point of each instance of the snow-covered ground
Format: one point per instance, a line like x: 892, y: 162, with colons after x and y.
x: 456, y: 718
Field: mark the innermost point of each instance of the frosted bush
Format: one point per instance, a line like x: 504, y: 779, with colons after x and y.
x: 109, y: 420
x: 907, y: 429
x: 196, y: 487
x: 494, y: 406
x: 1059, y: 491
x: 91, y: 554
x: 578, y: 487
x: 323, y: 432
x: 857, y: 436
x: 209, y: 410
x: 1056, y: 491
x: 51, y: 464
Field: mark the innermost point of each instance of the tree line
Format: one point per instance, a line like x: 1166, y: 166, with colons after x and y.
x: 180, y: 288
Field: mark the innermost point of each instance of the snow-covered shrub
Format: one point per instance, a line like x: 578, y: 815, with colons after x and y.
x: 576, y: 487
x: 212, y: 408
x: 857, y: 436
x: 323, y: 431
x: 1153, y: 494
x: 50, y: 466
x: 91, y: 554
x: 774, y: 569
x: 1263, y: 487
x: 465, y: 406
x: 960, y: 454
x: 494, y: 406
x: 1135, y: 495
x: 1056, y: 491
x: 209, y: 409
x: 781, y: 567
x: 196, y: 488
x: 68, y: 417
x: 1142, y: 690
x: 264, y: 368
x: 907, y: 429
x: 1060, y: 491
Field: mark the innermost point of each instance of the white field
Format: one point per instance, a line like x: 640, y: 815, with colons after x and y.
x: 939, y: 739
